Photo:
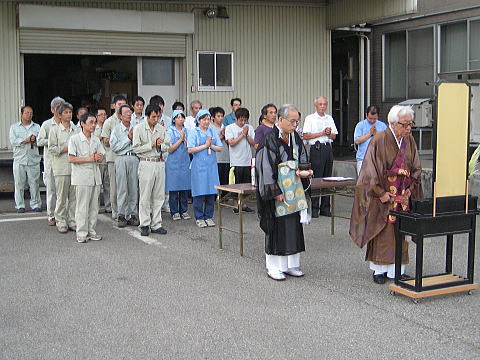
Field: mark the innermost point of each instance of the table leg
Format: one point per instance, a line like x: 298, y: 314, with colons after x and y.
x: 419, y: 264
x: 220, y: 242
x: 332, y: 214
x: 448, y: 254
x: 240, y: 214
x: 398, y: 251
x: 471, y: 251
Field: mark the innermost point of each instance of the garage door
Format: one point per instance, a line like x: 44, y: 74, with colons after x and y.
x: 48, y: 41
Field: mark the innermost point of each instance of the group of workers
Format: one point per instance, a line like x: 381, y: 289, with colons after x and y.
x: 146, y: 161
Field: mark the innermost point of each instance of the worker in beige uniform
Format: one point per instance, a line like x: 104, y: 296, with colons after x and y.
x: 62, y: 170
x: 48, y: 178
x: 151, y: 143
x: 101, y: 115
x: 85, y: 153
x: 107, y: 129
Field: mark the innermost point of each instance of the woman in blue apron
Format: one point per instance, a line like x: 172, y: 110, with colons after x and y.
x: 203, y: 142
x: 178, y: 168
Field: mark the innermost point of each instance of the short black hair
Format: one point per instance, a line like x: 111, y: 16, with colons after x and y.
x: 157, y: 100
x: 23, y: 108
x: 81, y: 108
x: 242, y: 112
x: 152, y: 108
x: 235, y: 99
x: 138, y: 98
x: 372, y: 109
x: 101, y: 108
x: 84, y: 117
x: 120, y: 109
x: 215, y: 110
x: 177, y: 104
x: 118, y: 98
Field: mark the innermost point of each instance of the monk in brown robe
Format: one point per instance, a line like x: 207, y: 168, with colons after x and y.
x: 389, y: 180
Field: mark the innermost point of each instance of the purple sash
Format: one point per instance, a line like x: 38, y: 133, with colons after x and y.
x: 398, y: 181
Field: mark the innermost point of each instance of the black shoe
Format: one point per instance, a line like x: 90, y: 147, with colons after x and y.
x: 133, y: 221
x: 235, y: 210
x: 21, y: 210
x: 160, y: 231
x: 379, y: 279
x: 121, y: 221
x: 108, y: 211
x: 314, y: 215
x: 247, y: 210
x: 326, y: 213
x: 144, y: 231
x: 37, y: 210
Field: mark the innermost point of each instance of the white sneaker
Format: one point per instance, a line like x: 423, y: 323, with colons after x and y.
x: 166, y: 209
x: 185, y: 216
x: 295, y: 272
x: 176, y: 216
x: 201, y: 223
x: 210, y: 222
x: 276, y: 275
x: 82, y: 239
x: 95, y: 237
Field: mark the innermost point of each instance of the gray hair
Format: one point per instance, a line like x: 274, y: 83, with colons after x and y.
x: 195, y: 102
x: 284, y: 110
x: 398, y: 110
x: 56, y: 101
x: 63, y: 106
x: 320, y: 97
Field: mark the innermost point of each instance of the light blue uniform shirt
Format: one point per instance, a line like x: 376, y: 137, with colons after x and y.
x: 119, y: 141
x: 23, y: 154
x: 135, y: 121
x: 229, y: 119
x: 363, y: 128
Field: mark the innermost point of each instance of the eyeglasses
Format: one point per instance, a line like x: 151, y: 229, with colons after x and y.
x: 407, y: 124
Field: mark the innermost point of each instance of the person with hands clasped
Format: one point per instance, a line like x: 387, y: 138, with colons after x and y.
x: 85, y: 153
x: 126, y: 169
x: 203, y: 142
x: 178, y: 168
x: 151, y: 143
x: 58, y: 146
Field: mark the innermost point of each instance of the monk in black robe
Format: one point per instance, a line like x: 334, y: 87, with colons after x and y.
x: 389, y: 179
x: 281, y: 199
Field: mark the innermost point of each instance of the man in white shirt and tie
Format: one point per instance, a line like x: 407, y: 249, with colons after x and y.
x: 320, y: 131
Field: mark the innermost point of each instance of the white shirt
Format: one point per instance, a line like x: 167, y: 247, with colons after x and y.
x: 189, y: 122
x: 314, y: 123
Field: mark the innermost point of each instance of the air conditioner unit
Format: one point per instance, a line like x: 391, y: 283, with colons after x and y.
x: 422, y: 109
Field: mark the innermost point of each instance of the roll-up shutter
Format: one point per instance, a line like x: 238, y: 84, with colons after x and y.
x: 46, y: 41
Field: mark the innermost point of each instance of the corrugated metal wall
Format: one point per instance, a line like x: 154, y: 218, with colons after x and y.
x: 348, y: 12
x: 9, y: 72
x: 281, y: 53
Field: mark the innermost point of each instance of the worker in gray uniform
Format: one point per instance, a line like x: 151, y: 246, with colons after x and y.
x: 85, y: 152
x: 126, y: 169
x: 48, y: 178
x: 107, y: 129
x: 151, y: 143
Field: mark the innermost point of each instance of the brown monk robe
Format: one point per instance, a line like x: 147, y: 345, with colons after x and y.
x: 369, y: 223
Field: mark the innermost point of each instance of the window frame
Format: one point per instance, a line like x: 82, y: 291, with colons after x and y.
x: 439, y: 49
x: 215, y: 87
x: 434, y: 74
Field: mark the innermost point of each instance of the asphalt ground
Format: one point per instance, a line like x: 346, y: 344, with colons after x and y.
x: 180, y: 297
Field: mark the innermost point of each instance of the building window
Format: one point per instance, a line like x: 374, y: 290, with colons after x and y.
x: 420, y: 63
x: 158, y: 71
x: 453, y: 47
x: 215, y: 71
x: 408, y: 64
x: 459, y: 46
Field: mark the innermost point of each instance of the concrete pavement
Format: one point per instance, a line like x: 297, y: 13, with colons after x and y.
x: 180, y: 297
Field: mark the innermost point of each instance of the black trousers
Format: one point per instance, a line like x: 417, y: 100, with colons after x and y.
x: 322, y: 165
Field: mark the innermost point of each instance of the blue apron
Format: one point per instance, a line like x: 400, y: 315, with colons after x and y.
x: 178, y: 164
x: 204, y: 167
